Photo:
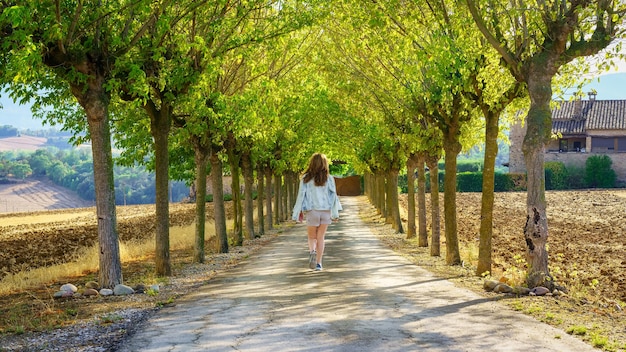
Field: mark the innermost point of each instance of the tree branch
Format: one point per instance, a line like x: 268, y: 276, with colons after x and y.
x: 512, y: 63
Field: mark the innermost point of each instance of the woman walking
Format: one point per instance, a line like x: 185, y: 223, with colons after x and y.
x: 318, y: 201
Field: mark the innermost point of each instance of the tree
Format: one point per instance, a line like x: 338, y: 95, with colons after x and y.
x: 534, y: 41
x: 62, y: 48
x: 20, y: 169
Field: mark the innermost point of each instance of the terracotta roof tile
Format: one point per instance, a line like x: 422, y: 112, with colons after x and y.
x: 575, y: 117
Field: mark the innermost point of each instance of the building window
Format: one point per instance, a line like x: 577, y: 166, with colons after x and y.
x: 603, y: 144
x: 577, y: 146
x: 621, y: 144
x: 563, y: 145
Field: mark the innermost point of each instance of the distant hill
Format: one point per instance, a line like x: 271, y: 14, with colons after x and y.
x: 37, y: 195
x: 22, y: 143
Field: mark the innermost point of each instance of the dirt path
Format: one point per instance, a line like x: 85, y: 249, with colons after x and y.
x: 366, y: 299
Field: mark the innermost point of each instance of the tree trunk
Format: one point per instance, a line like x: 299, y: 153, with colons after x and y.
x: 277, y: 199
x: 217, y: 184
x: 486, y: 210
x: 248, y: 180
x: 200, y: 157
x: 259, y: 200
x: 389, y: 216
x: 380, y: 194
x: 236, y: 193
x: 451, y: 147
x: 160, y: 128
x: 421, y: 201
x: 268, y: 198
x: 394, y: 204
x: 539, y: 127
x: 366, y: 186
x: 435, y: 244
x: 95, y: 102
x: 285, y: 197
x: 410, y: 180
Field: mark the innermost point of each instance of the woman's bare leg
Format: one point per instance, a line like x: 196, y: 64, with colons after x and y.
x: 312, y: 235
x: 321, y: 232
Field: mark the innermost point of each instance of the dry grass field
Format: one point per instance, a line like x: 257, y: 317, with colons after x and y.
x: 22, y: 143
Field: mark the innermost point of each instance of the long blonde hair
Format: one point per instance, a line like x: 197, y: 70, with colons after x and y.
x: 317, y: 170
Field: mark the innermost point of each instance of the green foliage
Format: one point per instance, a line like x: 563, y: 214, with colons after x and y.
x: 556, y: 175
x: 503, y: 182
x: 342, y: 169
x: 21, y: 170
x: 575, y: 177
x: 469, y: 182
x: 441, y: 180
x: 469, y: 165
x: 465, y: 165
x: 403, y: 183
x: 473, y: 182
x: 598, y: 172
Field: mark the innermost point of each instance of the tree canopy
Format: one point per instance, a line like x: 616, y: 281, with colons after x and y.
x: 193, y: 87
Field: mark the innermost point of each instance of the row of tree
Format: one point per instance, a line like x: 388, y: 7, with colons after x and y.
x: 188, y: 86
x: 434, y: 73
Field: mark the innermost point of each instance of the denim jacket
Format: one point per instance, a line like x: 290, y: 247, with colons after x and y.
x: 312, y: 197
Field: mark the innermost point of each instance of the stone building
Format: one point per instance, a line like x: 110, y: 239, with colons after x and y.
x: 581, y: 128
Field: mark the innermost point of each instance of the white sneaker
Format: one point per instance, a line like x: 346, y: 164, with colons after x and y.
x: 312, y: 259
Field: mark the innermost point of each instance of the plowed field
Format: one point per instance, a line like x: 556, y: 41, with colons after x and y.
x: 587, y: 236
x: 37, y: 194
x: 32, y: 240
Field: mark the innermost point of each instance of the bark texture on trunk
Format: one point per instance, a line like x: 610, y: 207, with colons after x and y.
x: 248, y: 181
x: 421, y: 201
x: 109, y: 254
x: 236, y: 193
x: 394, y: 204
x: 539, y: 127
x: 381, y: 194
x: 410, y: 179
x: 435, y: 240
x: 486, y: 209
x: 200, y: 157
x: 268, y: 198
x: 277, y: 199
x: 260, y: 198
x: 160, y: 128
x: 452, y: 149
x: 217, y: 183
x: 95, y: 101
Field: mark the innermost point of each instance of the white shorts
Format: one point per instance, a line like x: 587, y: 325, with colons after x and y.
x: 317, y: 217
